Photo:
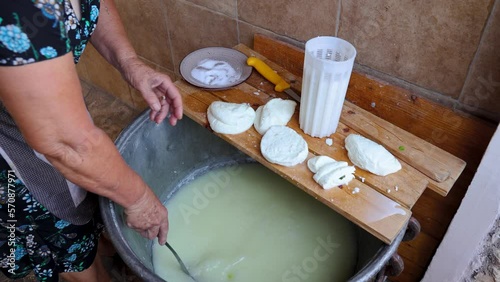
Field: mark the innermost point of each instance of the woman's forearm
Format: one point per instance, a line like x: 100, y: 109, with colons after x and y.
x: 52, y: 117
x: 110, y: 38
x: 90, y: 159
x: 51, y: 114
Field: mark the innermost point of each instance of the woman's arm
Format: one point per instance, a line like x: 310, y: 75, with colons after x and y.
x: 46, y: 103
x: 110, y: 39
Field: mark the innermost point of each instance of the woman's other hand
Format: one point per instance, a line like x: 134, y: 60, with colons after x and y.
x: 148, y: 217
x: 157, y: 90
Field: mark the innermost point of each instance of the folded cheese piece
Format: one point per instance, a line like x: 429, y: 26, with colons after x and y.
x: 329, y: 173
x: 331, y: 178
x: 275, y: 112
x: 315, y: 163
x: 370, y: 156
x: 230, y: 118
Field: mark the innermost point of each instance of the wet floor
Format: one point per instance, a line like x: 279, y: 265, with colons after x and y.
x: 111, y: 115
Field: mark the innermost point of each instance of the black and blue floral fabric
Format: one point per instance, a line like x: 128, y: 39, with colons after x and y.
x: 38, y: 30
x: 41, y: 243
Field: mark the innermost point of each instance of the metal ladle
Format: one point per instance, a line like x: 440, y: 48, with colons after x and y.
x: 183, y: 266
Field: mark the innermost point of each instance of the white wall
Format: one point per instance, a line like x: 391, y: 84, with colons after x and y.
x: 473, y: 220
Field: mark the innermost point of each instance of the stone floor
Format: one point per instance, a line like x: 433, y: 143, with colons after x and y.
x: 485, y: 267
x: 111, y: 115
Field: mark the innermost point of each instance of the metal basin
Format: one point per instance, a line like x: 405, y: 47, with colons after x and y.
x: 167, y: 156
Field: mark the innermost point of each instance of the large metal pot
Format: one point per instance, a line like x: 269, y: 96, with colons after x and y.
x: 165, y: 156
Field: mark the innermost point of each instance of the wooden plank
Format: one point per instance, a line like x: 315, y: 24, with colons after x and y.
x: 460, y: 134
x: 287, y: 55
x: 441, y: 168
x: 410, y: 182
x: 294, y: 80
x: 439, y: 165
x: 438, y: 125
x: 372, y: 211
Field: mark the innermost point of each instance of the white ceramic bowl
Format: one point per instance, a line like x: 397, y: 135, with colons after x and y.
x: 235, y: 58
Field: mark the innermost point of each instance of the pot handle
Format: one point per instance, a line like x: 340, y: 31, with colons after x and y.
x: 412, y: 230
x: 395, y: 265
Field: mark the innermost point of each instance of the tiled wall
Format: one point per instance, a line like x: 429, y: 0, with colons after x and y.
x: 448, y: 51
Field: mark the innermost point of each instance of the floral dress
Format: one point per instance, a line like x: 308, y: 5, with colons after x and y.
x: 38, y: 30
x: 32, y: 238
x: 40, y: 242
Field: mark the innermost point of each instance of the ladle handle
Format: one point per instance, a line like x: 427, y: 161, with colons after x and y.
x: 183, y: 266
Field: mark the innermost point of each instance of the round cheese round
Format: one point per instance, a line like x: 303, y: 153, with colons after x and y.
x: 282, y: 145
x: 275, y: 112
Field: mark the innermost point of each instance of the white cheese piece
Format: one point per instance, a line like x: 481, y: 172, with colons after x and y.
x: 370, y: 156
x: 330, y: 167
x: 230, y: 118
x: 315, y: 163
x: 329, y: 173
x: 282, y: 145
x: 333, y: 175
x: 329, y: 141
x: 275, y: 112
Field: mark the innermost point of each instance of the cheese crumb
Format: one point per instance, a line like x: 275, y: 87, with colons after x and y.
x: 388, y: 190
x: 329, y: 141
x: 355, y: 190
x: 396, y: 188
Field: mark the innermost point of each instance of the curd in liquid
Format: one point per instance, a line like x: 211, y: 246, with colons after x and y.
x: 245, y: 223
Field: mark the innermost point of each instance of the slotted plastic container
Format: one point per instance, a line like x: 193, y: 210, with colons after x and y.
x: 328, y: 66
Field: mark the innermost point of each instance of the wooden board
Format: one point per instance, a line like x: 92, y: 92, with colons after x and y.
x: 419, y: 154
x: 379, y: 215
x: 410, y: 182
x: 441, y: 167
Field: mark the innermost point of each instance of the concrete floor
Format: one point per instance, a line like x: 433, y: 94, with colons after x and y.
x: 485, y: 267
x: 111, y: 115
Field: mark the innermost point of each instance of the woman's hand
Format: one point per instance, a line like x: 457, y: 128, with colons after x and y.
x: 148, y: 217
x: 156, y: 88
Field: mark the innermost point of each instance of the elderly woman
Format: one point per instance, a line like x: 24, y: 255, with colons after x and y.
x: 49, y: 147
